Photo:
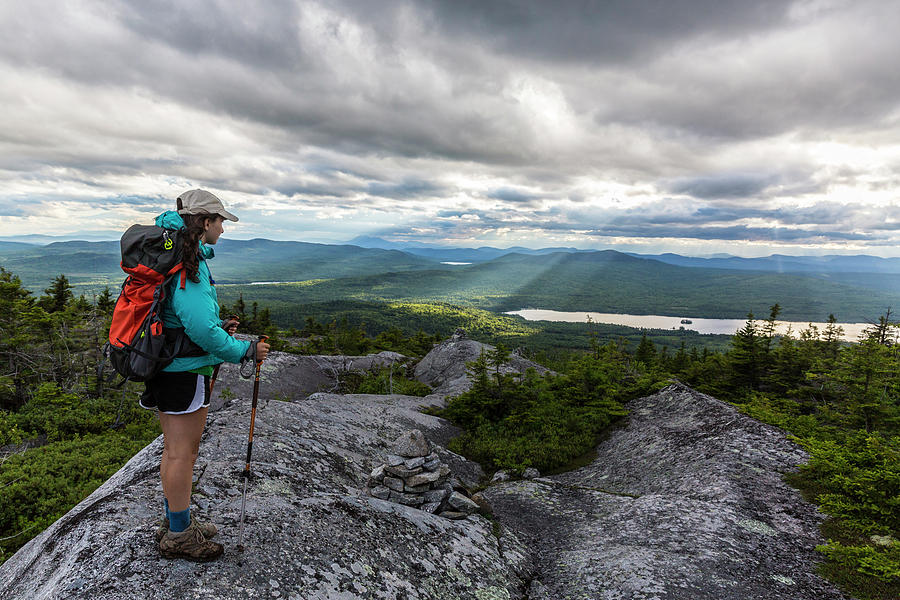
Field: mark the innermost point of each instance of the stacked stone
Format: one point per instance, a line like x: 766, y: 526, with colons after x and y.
x: 414, y: 475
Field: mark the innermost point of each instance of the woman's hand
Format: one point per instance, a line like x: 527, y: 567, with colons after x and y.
x: 262, y: 350
x: 230, y: 325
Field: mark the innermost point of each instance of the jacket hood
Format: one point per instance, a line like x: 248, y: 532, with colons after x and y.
x: 172, y: 220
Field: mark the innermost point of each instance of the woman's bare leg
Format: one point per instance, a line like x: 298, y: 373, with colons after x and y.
x: 181, y: 444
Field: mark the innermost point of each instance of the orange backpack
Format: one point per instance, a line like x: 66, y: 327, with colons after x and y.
x: 139, y: 346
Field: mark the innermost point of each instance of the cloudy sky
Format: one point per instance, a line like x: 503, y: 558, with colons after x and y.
x: 695, y: 126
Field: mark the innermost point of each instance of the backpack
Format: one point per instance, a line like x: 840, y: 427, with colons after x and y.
x: 139, y: 345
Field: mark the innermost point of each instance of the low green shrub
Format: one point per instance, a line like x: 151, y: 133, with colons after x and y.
x: 546, y: 422
x: 882, y: 563
x: 385, y: 380
x: 859, y: 478
x: 42, y: 484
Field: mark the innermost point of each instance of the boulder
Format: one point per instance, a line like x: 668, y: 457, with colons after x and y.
x: 500, y: 476
x: 412, y: 444
x: 291, y: 376
x: 444, y: 368
x: 462, y: 503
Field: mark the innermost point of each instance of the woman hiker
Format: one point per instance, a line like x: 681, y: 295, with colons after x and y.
x: 180, y: 392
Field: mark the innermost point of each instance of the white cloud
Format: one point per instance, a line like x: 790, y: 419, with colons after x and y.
x: 526, y: 123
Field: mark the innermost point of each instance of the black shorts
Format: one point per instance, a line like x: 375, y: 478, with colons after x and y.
x: 176, y: 393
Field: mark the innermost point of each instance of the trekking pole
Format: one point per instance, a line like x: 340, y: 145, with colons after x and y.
x: 240, y: 546
x: 212, y: 380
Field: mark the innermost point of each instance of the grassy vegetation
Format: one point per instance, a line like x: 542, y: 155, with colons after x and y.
x: 397, y: 379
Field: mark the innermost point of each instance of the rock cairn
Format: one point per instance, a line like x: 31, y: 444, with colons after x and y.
x: 414, y: 475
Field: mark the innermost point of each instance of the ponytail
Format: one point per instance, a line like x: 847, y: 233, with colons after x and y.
x: 194, y: 228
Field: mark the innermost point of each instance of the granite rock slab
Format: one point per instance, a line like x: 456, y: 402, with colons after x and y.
x: 310, y: 530
x: 686, y: 501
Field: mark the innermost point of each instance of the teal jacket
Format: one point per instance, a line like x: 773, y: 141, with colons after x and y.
x: 196, y: 308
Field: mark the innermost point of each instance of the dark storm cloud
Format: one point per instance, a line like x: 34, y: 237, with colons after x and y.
x: 322, y: 190
x: 410, y: 188
x: 264, y: 36
x: 340, y: 80
x: 734, y: 233
x: 610, y: 31
x: 724, y: 186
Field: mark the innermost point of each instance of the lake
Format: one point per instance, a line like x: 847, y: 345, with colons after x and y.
x: 719, y: 326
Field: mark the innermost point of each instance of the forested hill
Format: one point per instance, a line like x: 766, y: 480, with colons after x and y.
x: 97, y: 263
x: 786, y: 264
x: 598, y: 281
x: 14, y: 246
x: 606, y: 281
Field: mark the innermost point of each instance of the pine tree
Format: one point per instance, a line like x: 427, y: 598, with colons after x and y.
x: 105, y: 302
x: 646, y: 352
x: 865, y: 384
x: 680, y: 363
x: 745, y: 355
x: 884, y: 332
x: 831, y: 339
x: 57, y: 295
x: 497, y: 358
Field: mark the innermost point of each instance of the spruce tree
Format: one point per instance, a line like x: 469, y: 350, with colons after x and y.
x: 745, y: 355
x: 646, y: 352
x: 105, y: 302
x: 57, y: 295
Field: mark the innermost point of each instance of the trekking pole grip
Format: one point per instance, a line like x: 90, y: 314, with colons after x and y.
x: 262, y: 338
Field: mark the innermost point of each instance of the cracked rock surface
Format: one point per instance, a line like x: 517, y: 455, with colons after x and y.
x: 310, y: 532
x: 685, y: 502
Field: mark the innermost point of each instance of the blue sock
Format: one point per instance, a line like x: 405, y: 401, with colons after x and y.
x: 168, y: 515
x: 179, y: 520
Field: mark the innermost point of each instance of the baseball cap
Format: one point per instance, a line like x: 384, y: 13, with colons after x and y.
x: 199, y: 202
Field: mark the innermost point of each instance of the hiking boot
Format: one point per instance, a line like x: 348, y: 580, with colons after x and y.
x: 189, y: 544
x: 207, y: 529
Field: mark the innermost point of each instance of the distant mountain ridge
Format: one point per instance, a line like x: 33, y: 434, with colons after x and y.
x: 601, y: 281
x: 781, y: 263
x: 778, y: 263
x: 562, y: 279
x: 237, y: 261
x: 454, y: 254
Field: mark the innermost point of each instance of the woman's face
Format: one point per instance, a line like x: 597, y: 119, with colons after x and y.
x: 213, y: 229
